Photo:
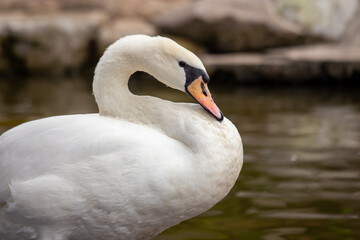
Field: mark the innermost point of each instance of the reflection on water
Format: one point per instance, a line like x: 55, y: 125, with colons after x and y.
x: 301, y: 175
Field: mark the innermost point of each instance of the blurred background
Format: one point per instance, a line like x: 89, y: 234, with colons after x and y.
x: 286, y: 72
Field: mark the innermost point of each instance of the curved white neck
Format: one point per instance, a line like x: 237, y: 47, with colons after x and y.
x: 182, y: 121
x: 110, y: 87
x: 112, y: 74
x: 114, y: 99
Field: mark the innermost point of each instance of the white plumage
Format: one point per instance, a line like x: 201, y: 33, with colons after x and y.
x: 138, y: 167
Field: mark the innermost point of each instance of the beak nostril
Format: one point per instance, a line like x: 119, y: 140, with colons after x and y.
x: 203, y: 89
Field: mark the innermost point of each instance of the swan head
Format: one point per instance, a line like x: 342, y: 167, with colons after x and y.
x: 181, y: 69
x: 168, y: 62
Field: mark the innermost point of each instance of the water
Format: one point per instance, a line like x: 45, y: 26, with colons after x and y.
x: 301, y: 174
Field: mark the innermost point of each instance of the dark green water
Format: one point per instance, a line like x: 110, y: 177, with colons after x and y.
x: 301, y: 173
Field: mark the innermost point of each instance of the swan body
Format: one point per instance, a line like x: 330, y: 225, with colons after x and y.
x: 138, y: 167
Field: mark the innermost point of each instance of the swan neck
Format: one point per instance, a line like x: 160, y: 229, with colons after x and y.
x: 114, y: 99
x: 110, y: 85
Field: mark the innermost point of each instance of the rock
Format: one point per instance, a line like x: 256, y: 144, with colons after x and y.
x: 231, y: 25
x: 328, y: 19
x: 320, y: 53
x: 325, y: 62
x: 112, y: 31
x: 57, y: 36
x: 243, y: 25
x: 113, y: 8
x: 47, y: 43
x: 140, y: 8
x: 352, y: 34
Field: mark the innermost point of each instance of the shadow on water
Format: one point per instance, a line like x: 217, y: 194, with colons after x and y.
x: 301, y: 174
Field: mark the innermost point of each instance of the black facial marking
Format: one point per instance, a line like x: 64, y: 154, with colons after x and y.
x: 193, y: 73
x: 203, y: 89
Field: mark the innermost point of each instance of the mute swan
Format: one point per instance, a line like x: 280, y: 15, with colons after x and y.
x: 140, y: 166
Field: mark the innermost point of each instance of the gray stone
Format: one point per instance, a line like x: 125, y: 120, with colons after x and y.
x: 325, y: 62
x: 231, y: 25
x: 110, y: 32
x: 46, y: 43
x: 328, y: 19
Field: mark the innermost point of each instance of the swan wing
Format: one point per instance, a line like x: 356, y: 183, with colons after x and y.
x: 58, y: 144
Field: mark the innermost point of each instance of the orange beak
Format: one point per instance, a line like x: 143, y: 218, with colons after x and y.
x: 200, y: 92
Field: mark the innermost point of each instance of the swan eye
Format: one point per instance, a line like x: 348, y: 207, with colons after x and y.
x: 182, y: 64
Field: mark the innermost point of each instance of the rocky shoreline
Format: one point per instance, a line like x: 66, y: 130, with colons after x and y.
x: 321, y: 63
x: 277, y: 40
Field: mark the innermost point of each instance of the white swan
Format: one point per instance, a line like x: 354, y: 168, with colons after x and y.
x: 138, y: 167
